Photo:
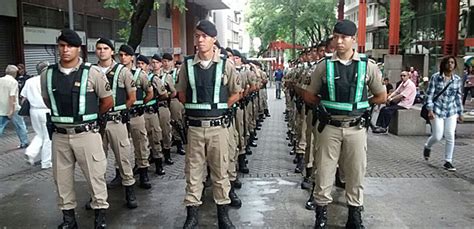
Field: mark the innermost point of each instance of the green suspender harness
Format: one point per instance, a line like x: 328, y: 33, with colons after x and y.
x: 194, y: 105
x: 114, y: 88
x: 136, y: 76
x: 82, y: 98
x: 359, y: 104
x: 174, y: 75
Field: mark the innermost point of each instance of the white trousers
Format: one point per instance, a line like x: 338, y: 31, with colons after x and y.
x: 41, y: 142
x: 446, y: 127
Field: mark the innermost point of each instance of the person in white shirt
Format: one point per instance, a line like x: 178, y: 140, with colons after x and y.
x: 9, y: 105
x: 38, y: 110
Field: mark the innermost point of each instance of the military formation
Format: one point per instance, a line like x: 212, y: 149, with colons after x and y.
x: 210, y: 106
x: 329, y: 91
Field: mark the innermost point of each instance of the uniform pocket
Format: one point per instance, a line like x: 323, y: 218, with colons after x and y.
x: 99, y: 156
x: 125, y: 142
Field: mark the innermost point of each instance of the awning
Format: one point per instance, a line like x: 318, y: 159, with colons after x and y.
x: 212, y: 4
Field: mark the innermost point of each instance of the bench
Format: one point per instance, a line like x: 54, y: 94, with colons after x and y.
x: 408, y: 122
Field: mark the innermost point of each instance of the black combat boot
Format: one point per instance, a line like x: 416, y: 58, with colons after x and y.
x: 135, y: 169
x: 299, y: 163
x: 267, y: 113
x: 69, y: 220
x: 130, y: 197
x: 191, y: 218
x: 247, y: 150
x: 99, y: 222
x: 117, y: 181
x: 236, y: 184
x: 321, y: 217
x: 234, y: 199
x: 251, y: 142
x: 168, y: 159
x: 242, y: 164
x: 144, y: 180
x: 223, y: 217
x: 159, y: 167
x: 354, y: 218
x: 253, y: 135
x: 179, y: 148
x: 306, y: 184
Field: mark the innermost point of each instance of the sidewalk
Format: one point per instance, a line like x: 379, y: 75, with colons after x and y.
x: 402, y: 190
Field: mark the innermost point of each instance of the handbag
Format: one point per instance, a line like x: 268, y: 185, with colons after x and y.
x: 25, y: 108
x: 424, y: 109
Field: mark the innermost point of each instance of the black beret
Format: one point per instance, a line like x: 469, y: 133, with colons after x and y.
x: 237, y: 53
x: 71, y: 37
x: 207, y: 27
x: 106, y: 42
x: 345, y: 27
x: 156, y: 57
x: 229, y: 50
x: 127, y: 49
x: 143, y: 58
x: 223, y: 52
x: 178, y: 62
x: 167, y: 56
x: 244, y: 60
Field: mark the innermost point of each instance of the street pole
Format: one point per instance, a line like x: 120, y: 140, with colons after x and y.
x: 71, y: 15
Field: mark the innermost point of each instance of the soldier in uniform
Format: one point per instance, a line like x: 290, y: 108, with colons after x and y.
x: 164, y: 110
x: 115, y: 133
x: 152, y: 122
x: 138, y: 130
x: 208, y: 86
x: 341, y: 85
x: 77, y: 93
x: 176, y: 108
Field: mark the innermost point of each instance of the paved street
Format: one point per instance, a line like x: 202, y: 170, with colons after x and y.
x: 402, y: 190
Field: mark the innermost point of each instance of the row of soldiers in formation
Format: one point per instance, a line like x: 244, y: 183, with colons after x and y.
x: 97, y: 106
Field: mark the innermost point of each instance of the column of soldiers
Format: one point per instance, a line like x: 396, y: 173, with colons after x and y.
x: 329, y: 91
x: 214, y: 103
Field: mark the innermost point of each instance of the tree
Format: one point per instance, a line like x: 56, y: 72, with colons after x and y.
x: 137, y: 13
x: 273, y: 19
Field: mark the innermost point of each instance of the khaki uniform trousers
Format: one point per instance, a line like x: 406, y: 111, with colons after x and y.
x: 116, y: 135
x: 239, y: 127
x: 152, y: 125
x: 140, y: 141
x: 85, y: 149
x: 265, y: 99
x: 165, y: 123
x: 348, y: 146
x: 291, y: 115
x: 300, y: 125
x: 177, y: 114
x: 233, y: 137
x: 250, y: 118
x: 207, y: 145
x: 308, y: 155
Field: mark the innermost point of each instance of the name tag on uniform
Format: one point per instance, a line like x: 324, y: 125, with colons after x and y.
x: 77, y: 84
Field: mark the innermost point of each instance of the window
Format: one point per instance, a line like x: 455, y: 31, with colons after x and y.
x: 43, y: 17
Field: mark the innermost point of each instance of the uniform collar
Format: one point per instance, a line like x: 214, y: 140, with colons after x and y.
x: 75, y: 68
x: 215, y: 58
x: 355, y: 56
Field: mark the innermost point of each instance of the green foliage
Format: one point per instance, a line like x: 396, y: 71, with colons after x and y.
x: 272, y: 20
x: 126, y: 9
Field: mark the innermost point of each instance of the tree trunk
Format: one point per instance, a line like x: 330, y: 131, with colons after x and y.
x: 138, y: 21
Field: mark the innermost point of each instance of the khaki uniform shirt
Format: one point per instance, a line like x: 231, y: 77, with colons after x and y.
x: 373, y: 76
x: 158, y: 84
x: 229, y: 77
x: 125, y: 79
x: 96, y: 82
x: 142, y: 82
x: 167, y: 79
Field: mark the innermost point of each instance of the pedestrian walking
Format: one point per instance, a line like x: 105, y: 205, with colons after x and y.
x: 77, y: 93
x: 38, y: 111
x: 468, y: 84
x: 9, y: 105
x: 444, y: 109
x: 278, y: 78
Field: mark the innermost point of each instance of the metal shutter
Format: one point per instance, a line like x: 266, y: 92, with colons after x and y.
x: 36, y: 53
x: 7, y: 43
x: 92, y: 58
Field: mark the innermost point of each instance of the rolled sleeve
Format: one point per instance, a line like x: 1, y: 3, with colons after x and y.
x: 99, y: 82
x: 182, y: 82
x: 316, y: 78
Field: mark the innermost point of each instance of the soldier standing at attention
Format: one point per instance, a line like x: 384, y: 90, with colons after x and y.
x: 152, y: 121
x: 137, y: 121
x: 340, y: 85
x: 77, y: 93
x: 115, y: 133
x: 208, y: 86
x: 176, y: 107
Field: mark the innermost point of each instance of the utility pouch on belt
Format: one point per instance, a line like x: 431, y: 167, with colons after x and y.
x: 181, y: 130
x: 102, y: 122
x: 323, y: 117
x: 125, y: 117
